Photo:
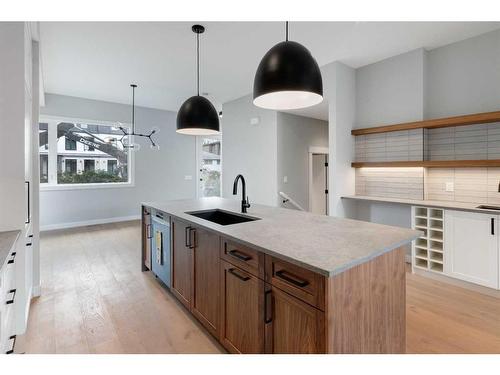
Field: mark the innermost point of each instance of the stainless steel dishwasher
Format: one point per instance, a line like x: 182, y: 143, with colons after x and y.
x: 160, y: 247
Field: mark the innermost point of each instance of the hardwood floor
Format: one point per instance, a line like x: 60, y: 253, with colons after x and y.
x: 95, y: 300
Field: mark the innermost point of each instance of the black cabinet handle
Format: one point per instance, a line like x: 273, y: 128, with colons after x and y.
x: 268, y: 315
x: 11, y: 261
x: 492, y: 226
x: 11, y: 350
x: 282, y: 274
x: 192, y: 245
x: 11, y: 301
x: 239, y: 255
x: 186, y: 243
x: 29, y: 244
x: 241, y: 277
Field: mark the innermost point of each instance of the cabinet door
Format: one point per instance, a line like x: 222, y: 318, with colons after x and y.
x: 242, y: 312
x: 471, y: 246
x: 294, y: 327
x: 181, y: 262
x: 205, y: 302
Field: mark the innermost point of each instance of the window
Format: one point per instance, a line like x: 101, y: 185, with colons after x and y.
x: 70, y: 144
x: 78, y: 152
x: 209, y: 166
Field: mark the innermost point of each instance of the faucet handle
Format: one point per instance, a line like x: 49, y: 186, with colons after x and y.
x: 248, y: 202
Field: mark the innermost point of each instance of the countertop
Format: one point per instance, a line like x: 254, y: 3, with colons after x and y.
x: 323, y: 244
x: 462, y: 206
x: 7, y: 240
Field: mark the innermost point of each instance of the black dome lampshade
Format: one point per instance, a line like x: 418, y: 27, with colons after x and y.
x: 197, y: 115
x: 288, y: 77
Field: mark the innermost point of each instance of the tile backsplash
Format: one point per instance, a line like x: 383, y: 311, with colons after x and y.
x: 405, y: 183
x: 473, y: 185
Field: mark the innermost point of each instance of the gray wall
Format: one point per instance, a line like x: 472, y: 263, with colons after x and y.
x: 250, y: 150
x: 159, y: 175
x: 391, y: 91
x: 464, y: 77
x: 295, y: 135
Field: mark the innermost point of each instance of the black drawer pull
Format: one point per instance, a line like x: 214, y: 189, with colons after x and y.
x: 10, y: 301
x: 29, y: 244
x: 282, y: 274
x: 242, y: 278
x: 11, y: 261
x: 239, y: 255
x: 492, y: 226
x: 267, y: 306
x: 11, y: 350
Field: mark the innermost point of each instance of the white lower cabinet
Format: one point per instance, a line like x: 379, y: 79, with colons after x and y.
x: 472, y: 247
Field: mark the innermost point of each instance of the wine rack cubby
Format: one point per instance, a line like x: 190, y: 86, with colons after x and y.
x: 427, y: 250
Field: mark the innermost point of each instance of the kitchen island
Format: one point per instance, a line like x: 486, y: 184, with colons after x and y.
x: 286, y: 281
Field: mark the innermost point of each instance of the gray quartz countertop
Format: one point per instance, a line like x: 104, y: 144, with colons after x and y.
x: 462, y: 206
x: 7, y: 241
x: 324, y: 244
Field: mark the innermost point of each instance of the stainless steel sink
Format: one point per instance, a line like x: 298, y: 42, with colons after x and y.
x: 222, y: 217
x: 486, y: 207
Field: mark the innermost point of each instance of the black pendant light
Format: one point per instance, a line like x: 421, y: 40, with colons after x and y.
x: 197, y: 116
x: 288, y: 77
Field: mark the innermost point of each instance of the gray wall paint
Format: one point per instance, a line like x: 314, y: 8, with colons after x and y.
x: 464, y: 77
x: 391, y: 91
x: 250, y: 150
x: 339, y: 83
x: 295, y: 135
x: 159, y: 175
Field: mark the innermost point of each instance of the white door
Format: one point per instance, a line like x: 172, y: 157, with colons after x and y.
x: 471, y: 246
x: 318, y: 197
x: 209, y: 160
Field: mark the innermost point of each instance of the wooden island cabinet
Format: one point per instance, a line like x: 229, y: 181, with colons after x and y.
x: 253, y: 302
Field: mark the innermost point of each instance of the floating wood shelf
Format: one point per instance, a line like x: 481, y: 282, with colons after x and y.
x: 477, y: 118
x: 430, y: 163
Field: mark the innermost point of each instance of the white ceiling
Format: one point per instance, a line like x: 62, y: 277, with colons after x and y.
x: 98, y: 60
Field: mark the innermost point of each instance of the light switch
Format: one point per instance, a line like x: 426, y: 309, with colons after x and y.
x: 450, y: 187
x: 188, y: 178
x: 285, y: 179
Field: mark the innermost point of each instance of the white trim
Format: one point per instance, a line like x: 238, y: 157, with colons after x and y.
x: 104, y: 185
x: 75, y: 224
x: 312, y: 151
x: 37, y: 291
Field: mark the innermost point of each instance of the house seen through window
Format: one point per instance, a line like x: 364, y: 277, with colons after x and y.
x: 82, y: 153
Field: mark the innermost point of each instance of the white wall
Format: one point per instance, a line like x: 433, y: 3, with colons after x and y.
x: 295, y: 135
x: 159, y: 175
x: 250, y: 150
x: 464, y: 77
x: 339, y: 82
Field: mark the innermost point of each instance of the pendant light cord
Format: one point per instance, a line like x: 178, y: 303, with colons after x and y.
x: 198, y: 63
x: 286, y: 31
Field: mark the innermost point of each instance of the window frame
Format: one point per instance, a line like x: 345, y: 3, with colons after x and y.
x: 52, y: 121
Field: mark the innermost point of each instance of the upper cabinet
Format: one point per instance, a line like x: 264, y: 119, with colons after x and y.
x: 472, y: 247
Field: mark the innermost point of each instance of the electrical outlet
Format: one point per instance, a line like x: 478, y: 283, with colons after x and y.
x: 254, y: 120
x: 450, y: 187
x: 285, y: 179
x: 188, y: 178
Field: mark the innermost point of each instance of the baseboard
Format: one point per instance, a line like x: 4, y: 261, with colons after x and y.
x: 75, y: 224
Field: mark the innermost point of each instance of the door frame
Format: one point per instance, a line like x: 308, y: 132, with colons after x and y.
x: 315, y: 150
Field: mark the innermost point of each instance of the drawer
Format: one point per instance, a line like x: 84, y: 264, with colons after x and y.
x: 244, y: 257
x: 306, y: 285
